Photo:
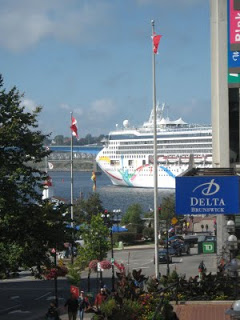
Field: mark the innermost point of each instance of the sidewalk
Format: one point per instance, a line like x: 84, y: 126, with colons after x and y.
x: 87, y: 316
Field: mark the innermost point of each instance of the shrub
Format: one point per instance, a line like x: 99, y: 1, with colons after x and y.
x: 148, y: 233
x: 55, y: 272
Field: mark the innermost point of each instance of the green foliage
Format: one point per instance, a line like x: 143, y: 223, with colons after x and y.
x: 168, y: 208
x: 85, y: 209
x: 74, y: 274
x: 132, y: 218
x: 10, y: 254
x: 125, y: 237
x: 96, y: 239
x: 148, y: 233
x: 109, y: 307
x: 60, y: 140
x: 26, y: 221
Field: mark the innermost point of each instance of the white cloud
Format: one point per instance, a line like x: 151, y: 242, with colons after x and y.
x: 29, y: 104
x: 78, y: 111
x: 102, y: 108
x: 26, y: 22
x: 64, y: 106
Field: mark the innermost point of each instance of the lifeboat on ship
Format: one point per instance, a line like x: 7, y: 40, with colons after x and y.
x: 162, y: 159
x: 184, y: 159
x: 172, y: 159
x: 198, y: 158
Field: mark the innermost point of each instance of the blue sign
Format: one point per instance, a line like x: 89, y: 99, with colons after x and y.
x: 233, y: 56
x: 207, y: 195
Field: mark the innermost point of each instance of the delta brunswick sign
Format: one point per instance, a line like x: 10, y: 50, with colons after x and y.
x: 207, y: 195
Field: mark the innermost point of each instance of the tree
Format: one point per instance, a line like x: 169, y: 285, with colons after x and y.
x: 26, y: 221
x: 96, y: 242
x: 59, y: 140
x: 85, y: 209
x: 167, y: 208
x: 167, y: 212
x: 132, y: 217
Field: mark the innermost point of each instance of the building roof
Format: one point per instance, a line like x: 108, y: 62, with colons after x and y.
x: 201, y: 310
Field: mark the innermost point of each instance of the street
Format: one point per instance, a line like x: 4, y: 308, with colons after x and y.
x: 28, y: 299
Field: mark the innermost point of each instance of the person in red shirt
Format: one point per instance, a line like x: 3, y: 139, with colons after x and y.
x: 100, y: 297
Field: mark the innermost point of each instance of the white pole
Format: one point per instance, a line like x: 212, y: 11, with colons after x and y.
x: 155, y: 172
x: 71, y: 176
x: 72, y: 225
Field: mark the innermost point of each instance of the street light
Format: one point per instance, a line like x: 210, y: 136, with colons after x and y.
x: 106, y: 218
x: 116, y: 213
x: 230, y: 226
x: 232, y: 243
x: 54, y: 252
x: 234, y: 311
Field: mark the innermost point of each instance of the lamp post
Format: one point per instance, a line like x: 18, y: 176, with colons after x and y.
x: 116, y: 213
x: 232, y: 243
x: 108, y: 221
x: 192, y: 220
x: 54, y: 252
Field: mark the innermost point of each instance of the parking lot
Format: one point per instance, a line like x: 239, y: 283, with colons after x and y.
x: 144, y: 259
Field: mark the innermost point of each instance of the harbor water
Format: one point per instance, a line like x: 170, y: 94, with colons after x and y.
x: 112, y: 197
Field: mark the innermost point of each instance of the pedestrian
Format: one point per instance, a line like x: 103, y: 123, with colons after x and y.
x: 52, y: 313
x: 106, y: 290
x: 72, y: 305
x: 83, y: 304
x: 100, y: 297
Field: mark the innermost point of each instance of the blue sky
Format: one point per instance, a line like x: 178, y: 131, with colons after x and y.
x: 94, y: 57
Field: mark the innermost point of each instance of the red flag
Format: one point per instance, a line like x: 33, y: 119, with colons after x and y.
x: 48, y: 182
x: 74, y: 127
x: 156, y: 39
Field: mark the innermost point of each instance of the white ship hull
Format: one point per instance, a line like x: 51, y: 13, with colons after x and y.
x: 141, y: 177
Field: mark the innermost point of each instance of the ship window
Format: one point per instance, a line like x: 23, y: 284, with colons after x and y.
x: 130, y: 162
x: 143, y: 162
x: 114, y: 162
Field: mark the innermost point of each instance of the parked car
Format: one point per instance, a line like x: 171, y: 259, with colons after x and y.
x: 163, y: 253
x: 176, y: 237
x: 165, y: 256
x: 191, y: 240
x: 180, y: 247
x: 204, y: 238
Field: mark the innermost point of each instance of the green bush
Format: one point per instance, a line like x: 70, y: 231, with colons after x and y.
x: 148, y: 233
x: 125, y: 237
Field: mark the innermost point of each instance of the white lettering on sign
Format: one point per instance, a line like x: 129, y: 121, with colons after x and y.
x: 237, y: 32
x: 235, y: 55
x: 237, y: 16
x: 208, y: 247
x: 207, y: 210
x: 208, y: 188
x: 206, y: 202
x: 237, y: 36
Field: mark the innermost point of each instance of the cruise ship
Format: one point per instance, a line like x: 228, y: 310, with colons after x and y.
x: 128, y: 155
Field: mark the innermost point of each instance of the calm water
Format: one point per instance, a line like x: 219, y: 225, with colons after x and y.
x: 112, y: 197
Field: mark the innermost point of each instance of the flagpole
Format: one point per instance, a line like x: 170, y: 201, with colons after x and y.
x: 156, y: 254
x: 72, y: 191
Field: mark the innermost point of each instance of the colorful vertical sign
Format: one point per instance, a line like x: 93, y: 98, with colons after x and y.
x: 234, y: 24
x: 233, y: 56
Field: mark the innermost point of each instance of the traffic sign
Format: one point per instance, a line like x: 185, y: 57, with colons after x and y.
x: 174, y: 220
